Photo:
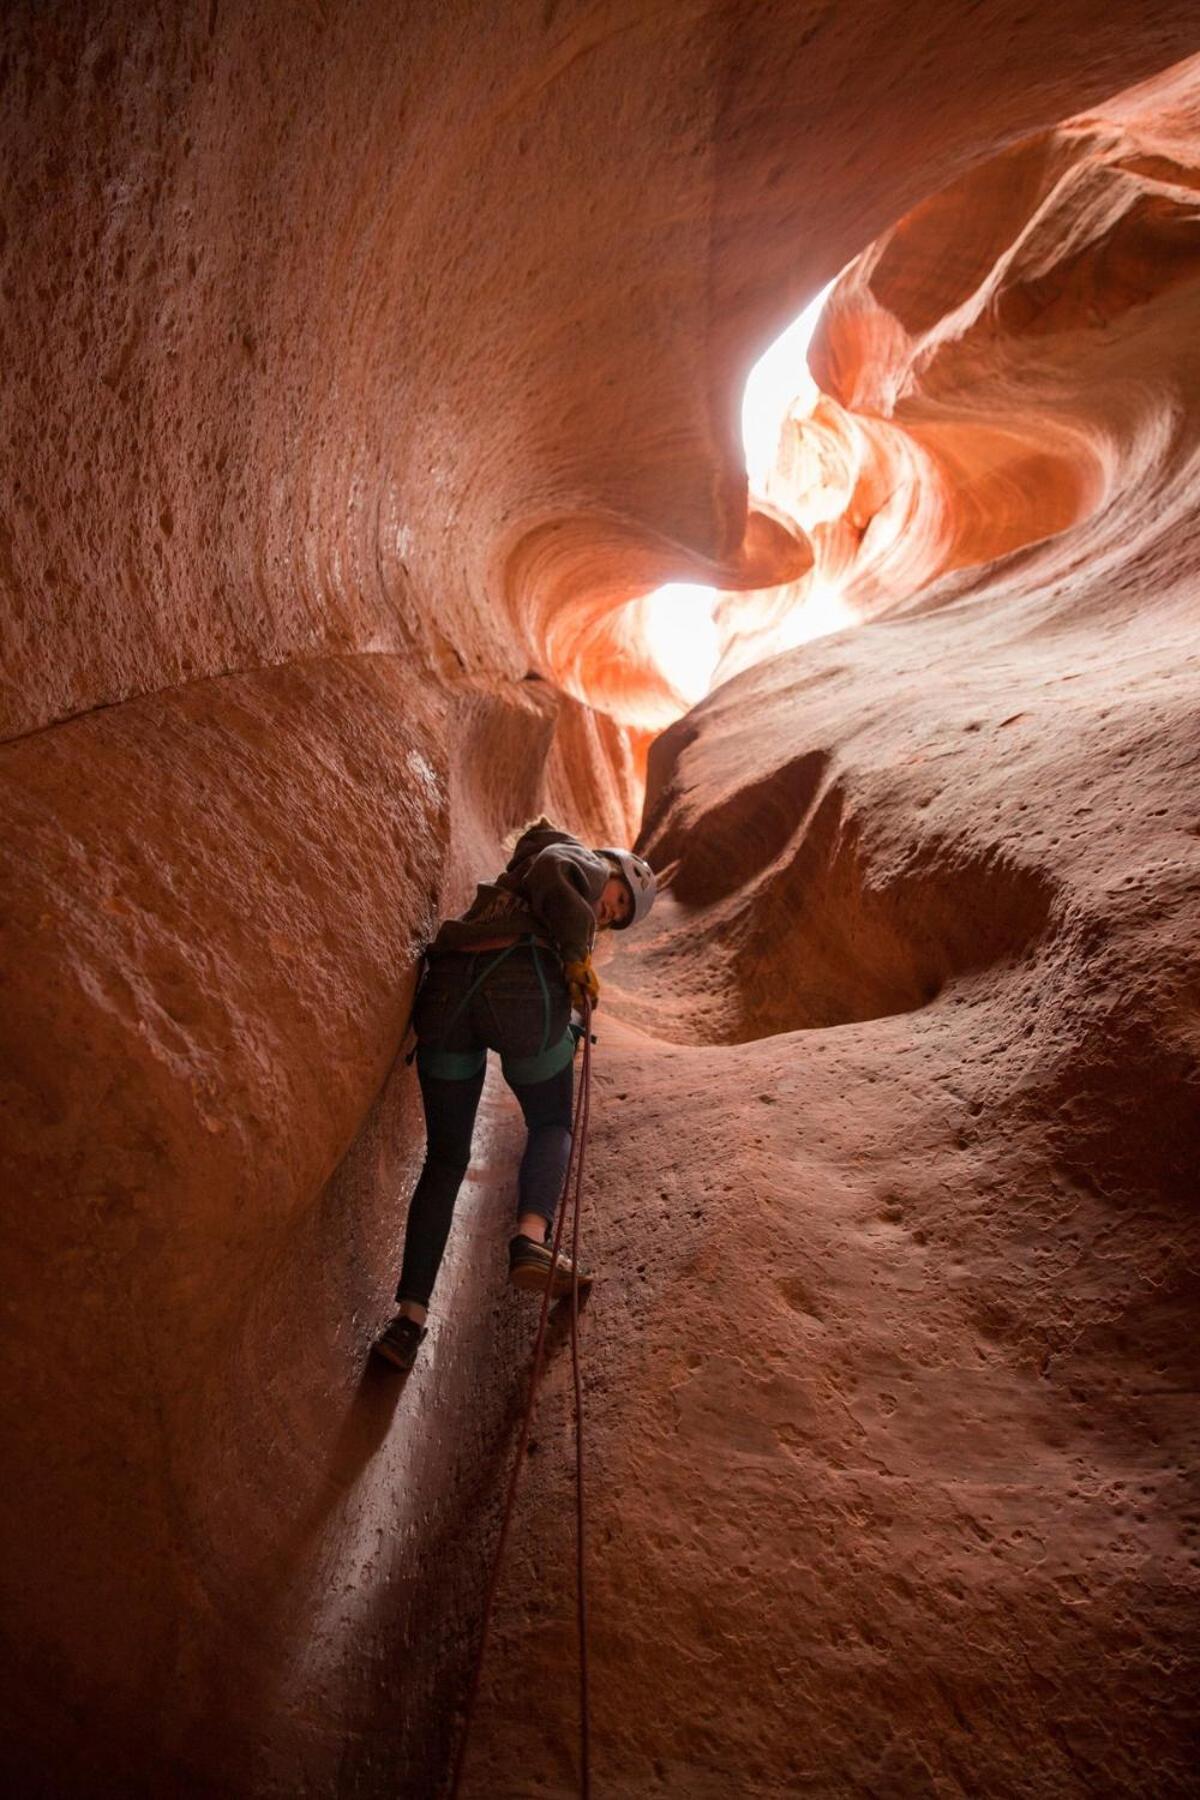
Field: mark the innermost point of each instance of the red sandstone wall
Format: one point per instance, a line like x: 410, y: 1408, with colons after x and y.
x: 891, y: 1420
x: 356, y: 364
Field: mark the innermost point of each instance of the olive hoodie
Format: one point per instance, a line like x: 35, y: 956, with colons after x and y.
x: 549, y: 888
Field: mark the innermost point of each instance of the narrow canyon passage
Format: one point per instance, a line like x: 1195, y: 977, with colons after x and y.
x: 890, y: 1396
x: 364, y: 371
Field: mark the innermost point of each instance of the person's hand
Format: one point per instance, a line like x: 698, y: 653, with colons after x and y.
x: 581, y: 979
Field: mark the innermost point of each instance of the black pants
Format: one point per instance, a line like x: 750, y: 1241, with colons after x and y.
x: 515, y: 1013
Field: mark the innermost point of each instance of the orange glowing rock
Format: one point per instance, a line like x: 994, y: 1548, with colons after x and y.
x: 362, y: 366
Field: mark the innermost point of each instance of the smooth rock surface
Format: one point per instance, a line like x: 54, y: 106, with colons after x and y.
x: 359, y: 368
x: 890, y: 1375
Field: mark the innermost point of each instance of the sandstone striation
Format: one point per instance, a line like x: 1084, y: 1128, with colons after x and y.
x: 995, y: 370
x: 360, y: 369
x: 891, y: 1413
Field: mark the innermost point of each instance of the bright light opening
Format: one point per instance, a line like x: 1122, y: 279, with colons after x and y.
x: 678, y: 620
x: 682, y: 635
x: 820, y: 612
x: 780, y: 382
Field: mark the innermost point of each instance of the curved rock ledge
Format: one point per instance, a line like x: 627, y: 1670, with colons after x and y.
x: 358, y: 364
x: 1000, y: 367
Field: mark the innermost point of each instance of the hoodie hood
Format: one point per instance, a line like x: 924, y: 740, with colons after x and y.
x: 533, y: 840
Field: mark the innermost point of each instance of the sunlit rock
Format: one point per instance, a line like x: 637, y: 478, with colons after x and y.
x: 361, y: 366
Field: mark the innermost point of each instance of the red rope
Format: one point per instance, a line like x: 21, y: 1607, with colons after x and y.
x: 585, y: 1721
x: 575, y: 1167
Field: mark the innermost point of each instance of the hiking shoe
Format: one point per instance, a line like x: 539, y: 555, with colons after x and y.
x: 531, y: 1265
x: 399, y: 1342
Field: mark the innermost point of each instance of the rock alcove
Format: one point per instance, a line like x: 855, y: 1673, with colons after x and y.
x: 357, y: 366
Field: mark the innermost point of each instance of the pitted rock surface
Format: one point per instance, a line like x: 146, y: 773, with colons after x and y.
x: 363, y: 368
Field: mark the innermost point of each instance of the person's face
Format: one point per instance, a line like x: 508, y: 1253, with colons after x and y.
x: 615, y: 904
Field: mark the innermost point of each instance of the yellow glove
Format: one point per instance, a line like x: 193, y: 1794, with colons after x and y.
x: 581, y: 979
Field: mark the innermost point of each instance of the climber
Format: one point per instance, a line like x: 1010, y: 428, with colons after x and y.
x: 504, y: 977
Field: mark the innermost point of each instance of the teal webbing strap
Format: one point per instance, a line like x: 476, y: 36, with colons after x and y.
x: 478, y: 982
x: 464, y: 1065
x: 523, y: 1071
x: 450, y: 1065
x: 537, y: 963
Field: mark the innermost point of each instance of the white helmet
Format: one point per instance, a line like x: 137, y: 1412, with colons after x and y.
x: 639, y: 878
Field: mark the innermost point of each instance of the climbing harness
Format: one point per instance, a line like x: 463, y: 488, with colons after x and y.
x: 464, y: 1065
x: 574, y: 1172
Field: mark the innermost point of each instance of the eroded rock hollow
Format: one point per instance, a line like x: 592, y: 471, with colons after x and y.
x: 361, y: 367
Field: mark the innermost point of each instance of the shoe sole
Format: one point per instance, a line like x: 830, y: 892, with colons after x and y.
x: 403, y: 1363
x: 534, y: 1277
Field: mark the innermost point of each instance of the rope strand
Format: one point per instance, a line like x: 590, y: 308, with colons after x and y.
x: 585, y: 1724
x: 574, y: 1166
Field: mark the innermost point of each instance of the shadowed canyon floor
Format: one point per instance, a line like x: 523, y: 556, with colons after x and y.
x: 362, y: 366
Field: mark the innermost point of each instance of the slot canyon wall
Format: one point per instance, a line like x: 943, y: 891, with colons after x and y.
x: 358, y: 365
